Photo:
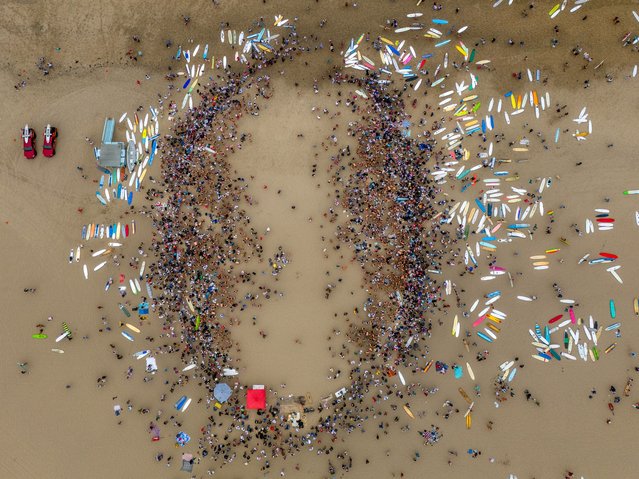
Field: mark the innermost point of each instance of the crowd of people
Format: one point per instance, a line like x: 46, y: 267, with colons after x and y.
x: 203, y: 236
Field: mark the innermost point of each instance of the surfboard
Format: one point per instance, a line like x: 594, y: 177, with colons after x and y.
x: 409, y: 412
x: 401, y: 377
x: 470, y: 371
x: 98, y: 267
x: 180, y: 402
x: 189, y: 367
x: 469, y: 421
x: 85, y: 270
x: 59, y: 351
x: 127, y: 335
x: 186, y: 405
x: 132, y: 328
x: 62, y: 336
x: 132, y: 285
x: 464, y: 395
x: 141, y: 354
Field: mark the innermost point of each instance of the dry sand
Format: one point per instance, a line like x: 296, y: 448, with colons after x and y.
x: 54, y: 432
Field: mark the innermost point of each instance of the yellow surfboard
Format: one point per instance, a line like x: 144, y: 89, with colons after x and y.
x: 132, y: 328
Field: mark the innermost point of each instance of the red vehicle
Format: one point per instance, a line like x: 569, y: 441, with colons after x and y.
x: 50, y: 137
x: 28, y: 142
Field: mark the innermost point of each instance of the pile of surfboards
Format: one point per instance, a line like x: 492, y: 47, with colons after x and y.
x: 603, y: 220
x: 570, y: 338
x: 490, y: 319
x: 507, y: 370
x: 260, y: 42
x: 583, y: 118
x: 405, y: 61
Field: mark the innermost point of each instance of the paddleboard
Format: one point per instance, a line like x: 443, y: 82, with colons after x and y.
x: 189, y: 367
x: 39, y: 336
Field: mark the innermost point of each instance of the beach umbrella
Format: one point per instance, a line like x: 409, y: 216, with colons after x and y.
x: 182, y: 438
x: 222, y: 392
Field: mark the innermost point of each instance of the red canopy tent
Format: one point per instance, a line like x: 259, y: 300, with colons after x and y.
x: 256, y: 398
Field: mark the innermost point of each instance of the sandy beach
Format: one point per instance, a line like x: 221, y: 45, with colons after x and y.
x: 303, y: 226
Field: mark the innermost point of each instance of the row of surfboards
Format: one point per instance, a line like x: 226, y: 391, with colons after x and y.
x: 113, y: 231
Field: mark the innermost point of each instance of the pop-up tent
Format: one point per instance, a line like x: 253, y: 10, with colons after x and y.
x: 256, y: 397
x: 187, y: 463
x: 222, y: 392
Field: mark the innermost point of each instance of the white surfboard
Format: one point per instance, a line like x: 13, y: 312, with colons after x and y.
x: 186, y: 405
x: 62, y: 336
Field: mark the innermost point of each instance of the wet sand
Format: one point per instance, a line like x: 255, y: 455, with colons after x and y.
x: 60, y: 432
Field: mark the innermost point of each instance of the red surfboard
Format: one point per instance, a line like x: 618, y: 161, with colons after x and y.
x: 556, y: 318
